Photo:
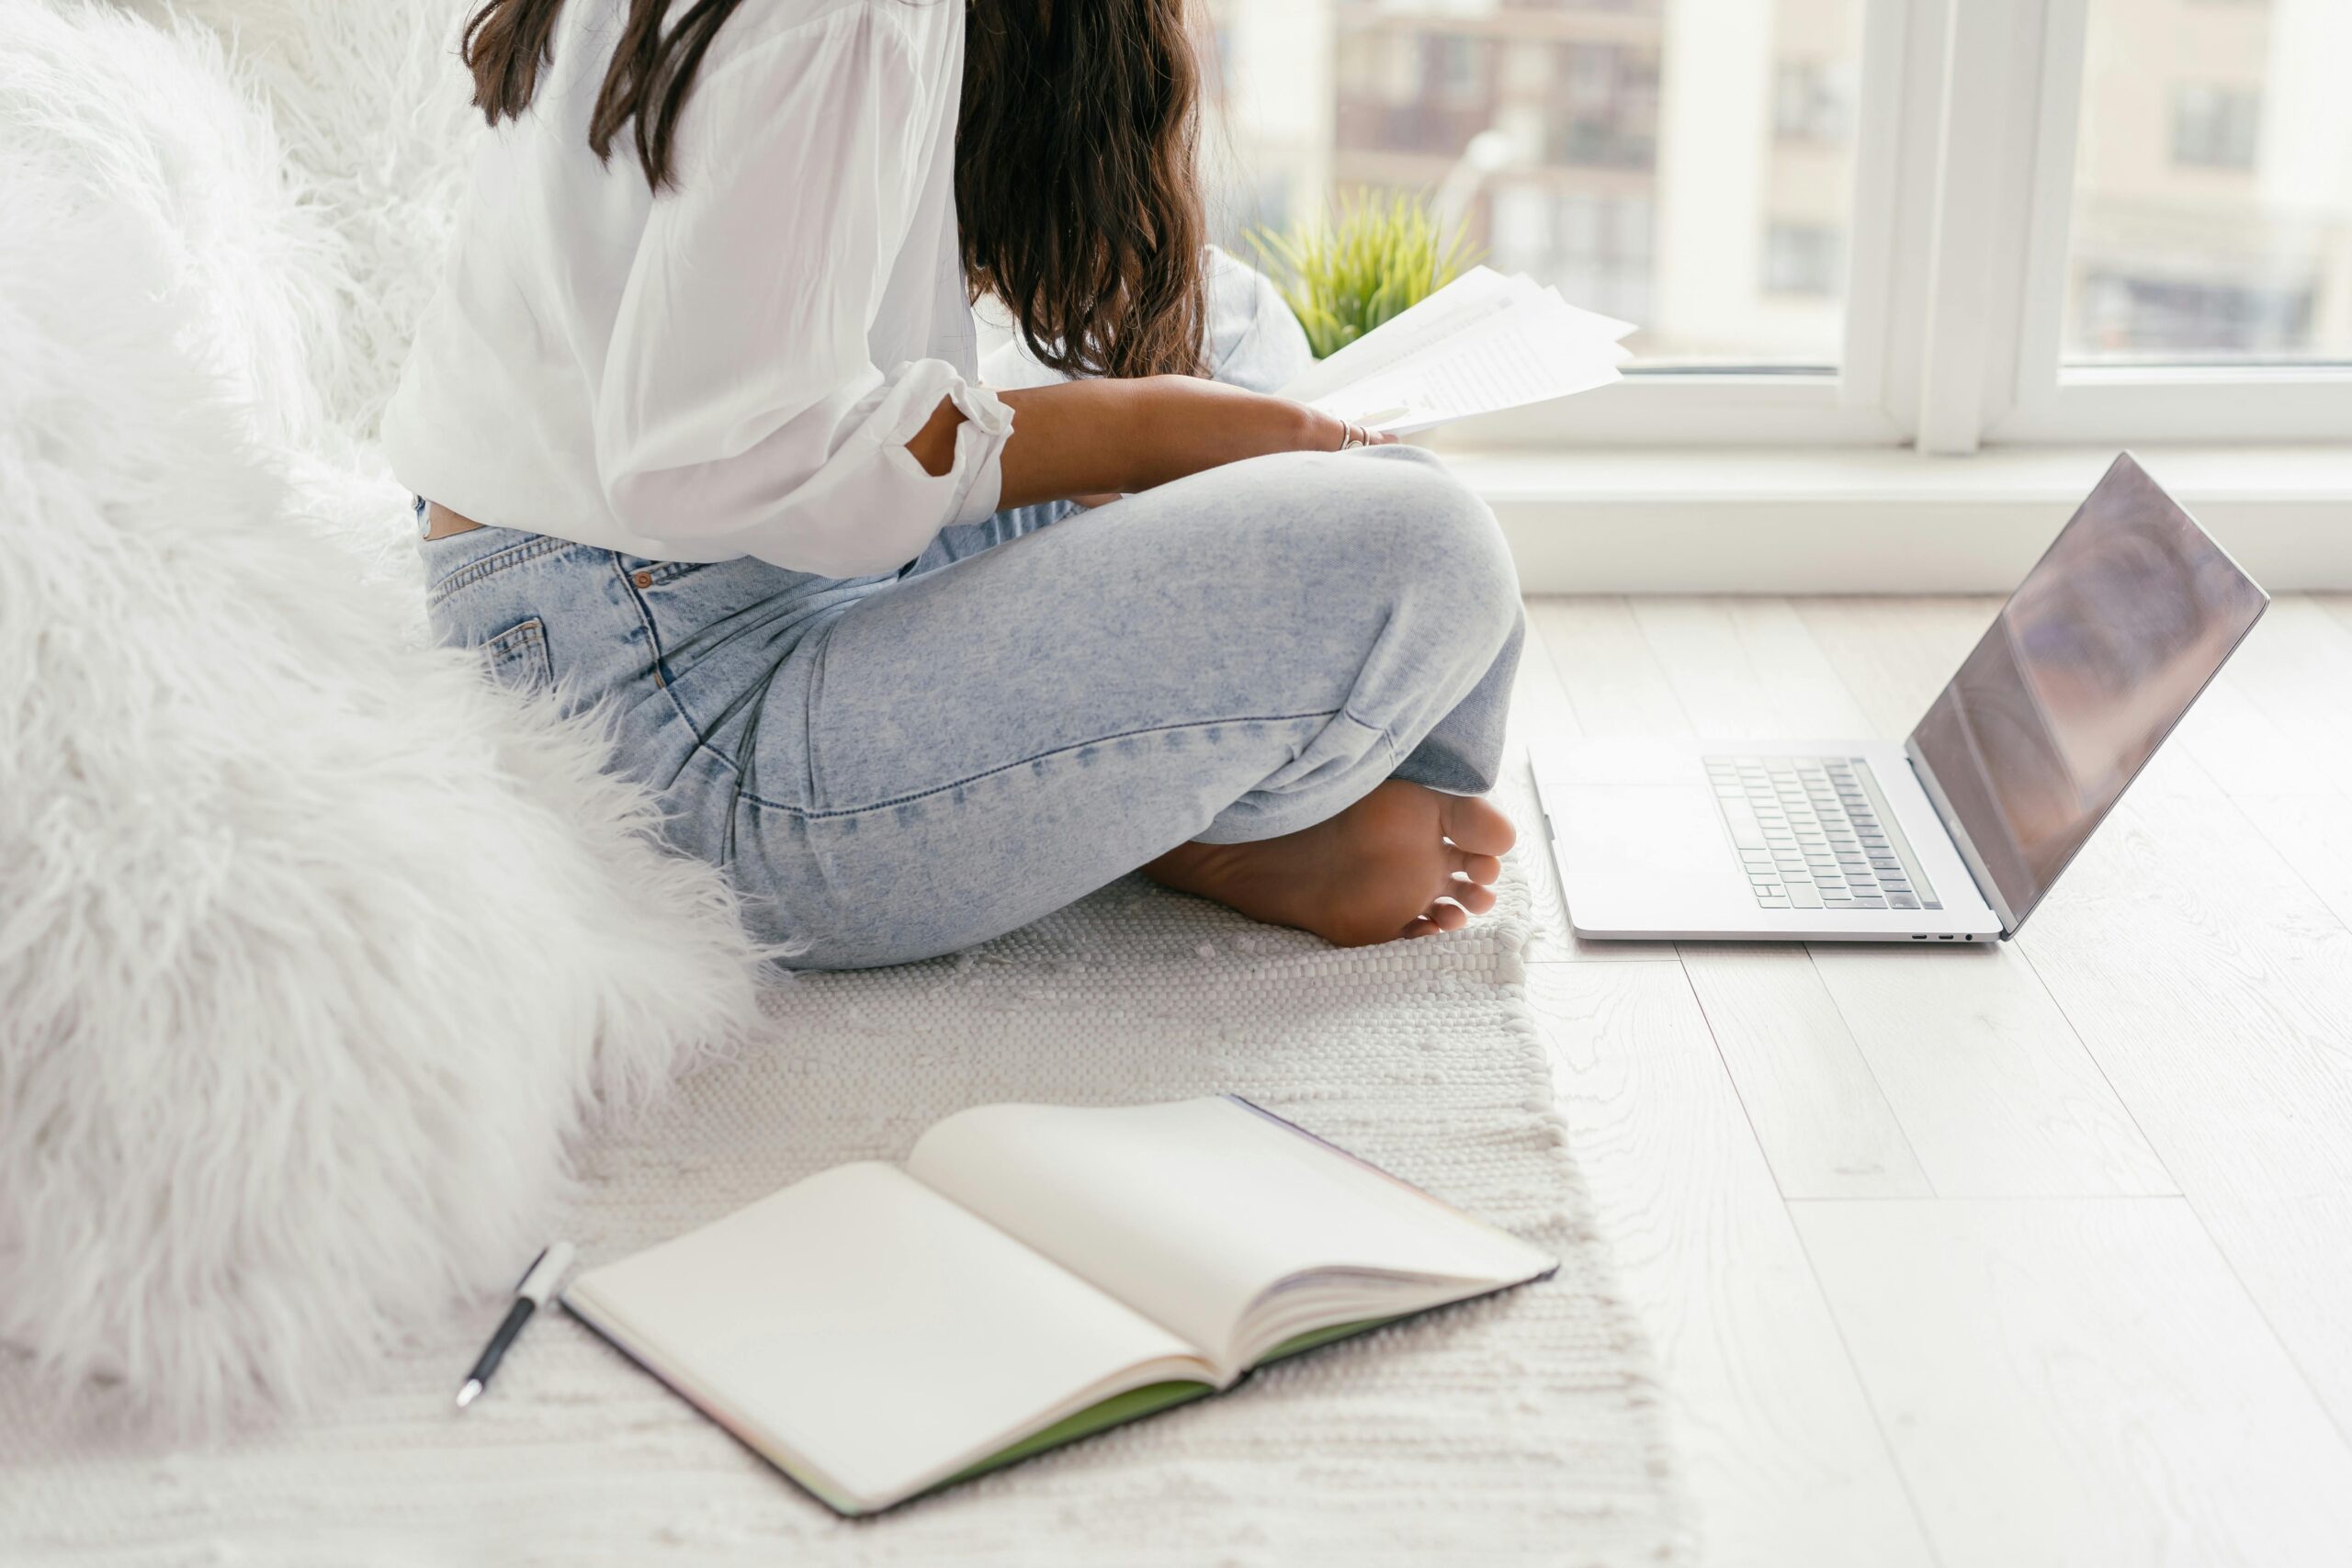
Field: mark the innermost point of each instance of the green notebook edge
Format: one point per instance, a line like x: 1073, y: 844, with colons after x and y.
x: 1138, y: 1402
x: 1118, y: 1410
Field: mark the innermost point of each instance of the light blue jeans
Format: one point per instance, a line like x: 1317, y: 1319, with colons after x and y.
x: 895, y: 767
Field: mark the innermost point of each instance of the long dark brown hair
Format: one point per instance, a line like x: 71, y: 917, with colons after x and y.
x: 1076, y: 182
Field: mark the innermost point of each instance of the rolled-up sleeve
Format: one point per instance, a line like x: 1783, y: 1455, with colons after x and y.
x: 739, y: 407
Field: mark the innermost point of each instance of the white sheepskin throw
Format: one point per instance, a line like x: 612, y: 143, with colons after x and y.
x: 373, y: 112
x: 315, y: 948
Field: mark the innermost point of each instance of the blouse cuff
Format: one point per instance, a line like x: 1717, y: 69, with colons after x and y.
x: 979, y: 449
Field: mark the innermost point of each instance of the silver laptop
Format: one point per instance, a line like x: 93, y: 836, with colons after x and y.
x: 1957, y: 833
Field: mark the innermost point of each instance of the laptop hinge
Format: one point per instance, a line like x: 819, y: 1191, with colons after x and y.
x: 1978, y: 871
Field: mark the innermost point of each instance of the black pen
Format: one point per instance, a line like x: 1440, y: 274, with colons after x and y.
x: 538, y: 1283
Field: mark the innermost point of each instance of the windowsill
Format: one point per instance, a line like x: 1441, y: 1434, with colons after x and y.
x: 1885, y: 520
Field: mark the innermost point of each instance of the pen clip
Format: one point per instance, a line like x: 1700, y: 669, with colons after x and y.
x: 531, y: 1267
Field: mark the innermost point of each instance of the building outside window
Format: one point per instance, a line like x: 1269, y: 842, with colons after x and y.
x: 2156, y: 316
x: 1802, y: 258
x: 1592, y: 200
x: 1757, y: 183
x: 2215, y: 128
x: 1813, y: 101
x: 2210, y: 222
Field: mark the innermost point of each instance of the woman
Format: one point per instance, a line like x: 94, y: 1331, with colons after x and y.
x: 699, y: 417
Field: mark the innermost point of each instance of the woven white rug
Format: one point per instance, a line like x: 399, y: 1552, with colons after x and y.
x: 1515, y: 1429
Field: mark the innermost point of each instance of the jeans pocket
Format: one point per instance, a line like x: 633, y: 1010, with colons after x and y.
x: 518, y: 658
x: 461, y: 561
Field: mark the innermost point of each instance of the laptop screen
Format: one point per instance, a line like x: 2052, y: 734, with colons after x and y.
x: 2084, y: 672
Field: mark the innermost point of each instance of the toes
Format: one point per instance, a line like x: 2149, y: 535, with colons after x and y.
x: 1476, y: 825
x: 1473, y: 898
x: 1445, y: 915
x: 1481, y: 868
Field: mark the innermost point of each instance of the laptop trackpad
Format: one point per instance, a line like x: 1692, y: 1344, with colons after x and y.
x: 1632, y: 856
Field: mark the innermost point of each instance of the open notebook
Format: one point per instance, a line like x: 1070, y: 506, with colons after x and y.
x: 1031, y: 1275
x: 1482, y: 344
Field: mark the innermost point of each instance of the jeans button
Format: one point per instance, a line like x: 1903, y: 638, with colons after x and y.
x: 643, y: 579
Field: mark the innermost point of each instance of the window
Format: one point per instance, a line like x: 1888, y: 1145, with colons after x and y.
x: 1596, y: 249
x: 2214, y: 128
x: 1802, y: 258
x: 2238, y: 246
x: 1632, y: 155
x: 1458, y: 77
x: 2168, y: 319
x: 1603, y: 113
x: 1933, y: 222
x: 1812, y: 101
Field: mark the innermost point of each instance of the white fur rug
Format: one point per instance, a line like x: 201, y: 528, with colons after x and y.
x: 1518, y: 1429
x: 315, y: 949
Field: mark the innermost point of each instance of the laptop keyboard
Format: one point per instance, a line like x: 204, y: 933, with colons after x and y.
x: 1814, y: 833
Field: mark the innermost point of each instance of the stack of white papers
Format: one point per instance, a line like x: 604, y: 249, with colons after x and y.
x: 1482, y: 344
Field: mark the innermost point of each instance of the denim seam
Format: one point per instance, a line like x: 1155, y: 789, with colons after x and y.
x: 659, y: 572
x: 525, y: 641
x: 1387, y: 741
x: 807, y: 816
x: 490, y: 565
x: 653, y: 641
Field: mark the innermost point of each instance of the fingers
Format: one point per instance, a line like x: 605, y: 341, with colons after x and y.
x: 1352, y: 436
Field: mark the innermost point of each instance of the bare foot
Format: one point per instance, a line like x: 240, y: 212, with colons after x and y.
x: 1402, y: 861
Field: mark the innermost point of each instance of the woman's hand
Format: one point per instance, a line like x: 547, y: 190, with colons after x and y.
x: 1097, y: 438
x: 1189, y: 424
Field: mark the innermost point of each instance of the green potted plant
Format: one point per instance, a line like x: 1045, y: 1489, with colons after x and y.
x: 1345, y: 273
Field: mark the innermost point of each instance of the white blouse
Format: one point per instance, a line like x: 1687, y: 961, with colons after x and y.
x: 732, y: 367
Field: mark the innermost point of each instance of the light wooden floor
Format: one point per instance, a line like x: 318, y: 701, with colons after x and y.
x: 2039, y: 1253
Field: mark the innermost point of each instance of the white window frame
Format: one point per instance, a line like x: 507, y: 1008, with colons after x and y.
x: 1956, y: 274
x: 2052, y: 402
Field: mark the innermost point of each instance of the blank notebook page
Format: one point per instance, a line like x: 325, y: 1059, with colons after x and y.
x: 1192, y: 1209
x: 869, y: 1325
